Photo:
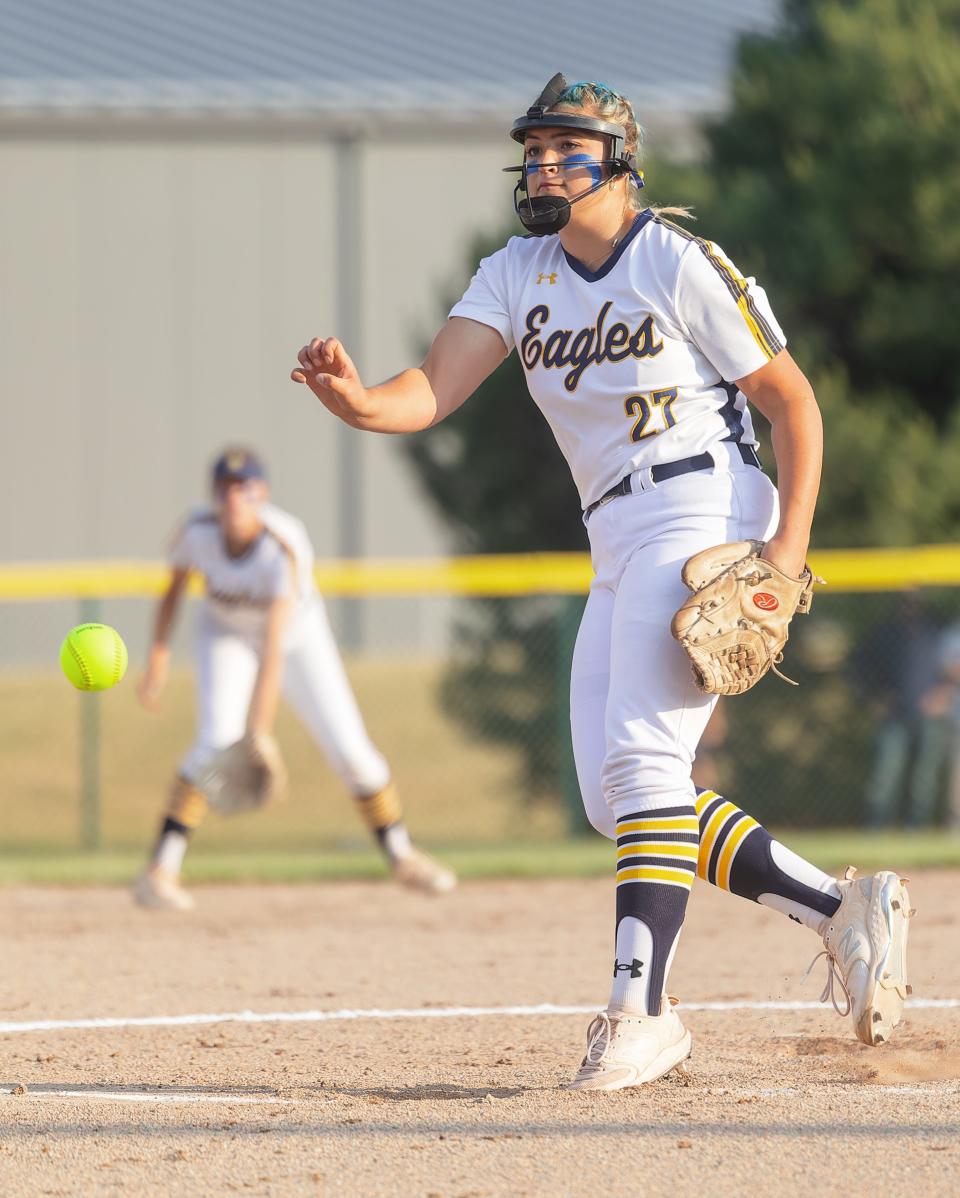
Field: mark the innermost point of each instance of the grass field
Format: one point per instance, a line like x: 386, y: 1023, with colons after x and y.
x: 463, y: 798
x: 580, y: 858
x: 454, y: 788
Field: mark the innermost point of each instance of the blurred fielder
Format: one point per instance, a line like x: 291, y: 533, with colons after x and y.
x: 262, y: 629
x: 642, y: 344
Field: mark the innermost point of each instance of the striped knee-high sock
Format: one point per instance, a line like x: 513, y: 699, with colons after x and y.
x: 656, y: 865
x: 185, y: 811
x: 739, y: 855
x: 383, y: 815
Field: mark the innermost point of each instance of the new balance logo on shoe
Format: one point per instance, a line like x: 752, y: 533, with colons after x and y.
x: 847, y: 945
x: 634, y: 967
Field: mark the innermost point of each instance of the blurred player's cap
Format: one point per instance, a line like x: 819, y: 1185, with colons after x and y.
x: 237, y: 465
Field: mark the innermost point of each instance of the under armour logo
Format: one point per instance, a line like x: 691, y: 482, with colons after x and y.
x: 551, y: 278
x: 634, y: 967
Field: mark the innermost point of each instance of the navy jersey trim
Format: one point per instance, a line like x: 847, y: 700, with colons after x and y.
x: 592, y: 276
x: 732, y: 416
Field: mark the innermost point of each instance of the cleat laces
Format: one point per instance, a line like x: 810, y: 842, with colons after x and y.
x: 833, y: 983
x: 599, y: 1037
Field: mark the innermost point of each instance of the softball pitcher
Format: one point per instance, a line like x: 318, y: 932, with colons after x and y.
x: 642, y: 345
x: 262, y: 629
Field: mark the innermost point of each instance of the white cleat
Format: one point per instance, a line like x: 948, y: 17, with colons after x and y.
x: 631, y: 1050
x: 418, y: 871
x: 160, y: 890
x: 865, y: 943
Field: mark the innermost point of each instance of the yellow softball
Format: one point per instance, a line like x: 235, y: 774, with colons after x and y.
x: 93, y: 657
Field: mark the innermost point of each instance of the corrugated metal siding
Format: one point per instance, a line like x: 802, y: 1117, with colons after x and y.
x: 154, y: 297
x: 155, y: 284
x: 293, y: 57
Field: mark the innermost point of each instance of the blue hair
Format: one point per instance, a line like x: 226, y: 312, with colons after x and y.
x: 610, y: 104
x: 576, y: 93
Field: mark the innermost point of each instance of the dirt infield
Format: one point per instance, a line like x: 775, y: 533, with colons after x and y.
x: 455, y: 1105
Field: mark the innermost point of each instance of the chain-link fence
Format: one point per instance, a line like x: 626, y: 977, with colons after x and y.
x: 868, y: 738
x: 469, y: 702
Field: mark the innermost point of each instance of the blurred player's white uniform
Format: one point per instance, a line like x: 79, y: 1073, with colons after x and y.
x: 257, y: 563
x: 228, y: 636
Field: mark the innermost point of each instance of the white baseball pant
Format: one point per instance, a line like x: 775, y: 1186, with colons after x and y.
x: 636, y: 713
x: 314, y: 684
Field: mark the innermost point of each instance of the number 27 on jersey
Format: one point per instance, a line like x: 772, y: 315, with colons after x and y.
x: 651, y: 414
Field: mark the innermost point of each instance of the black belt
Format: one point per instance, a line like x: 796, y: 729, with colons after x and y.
x: 659, y: 474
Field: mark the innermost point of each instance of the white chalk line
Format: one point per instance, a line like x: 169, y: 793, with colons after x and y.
x: 150, y: 1096
x: 58, y: 1025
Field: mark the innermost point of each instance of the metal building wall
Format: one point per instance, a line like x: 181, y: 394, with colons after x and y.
x: 155, y: 286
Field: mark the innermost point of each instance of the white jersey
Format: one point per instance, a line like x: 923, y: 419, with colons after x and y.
x: 229, y: 636
x: 240, y: 589
x: 633, y: 364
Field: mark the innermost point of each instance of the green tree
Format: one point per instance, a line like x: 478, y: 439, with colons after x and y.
x: 836, y: 172
x: 834, y: 178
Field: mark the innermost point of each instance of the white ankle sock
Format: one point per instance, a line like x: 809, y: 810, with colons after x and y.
x: 170, y: 852
x: 396, y: 842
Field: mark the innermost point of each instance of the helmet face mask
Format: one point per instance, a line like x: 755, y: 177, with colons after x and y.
x: 542, y: 215
x: 545, y: 214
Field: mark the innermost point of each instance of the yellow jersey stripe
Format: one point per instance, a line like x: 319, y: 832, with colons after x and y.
x: 730, y: 848
x: 745, y: 311
x: 775, y: 343
x: 762, y: 333
x: 704, y: 800
x: 758, y: 325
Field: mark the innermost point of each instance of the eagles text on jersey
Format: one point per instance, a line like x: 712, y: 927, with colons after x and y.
x: 634, y: 364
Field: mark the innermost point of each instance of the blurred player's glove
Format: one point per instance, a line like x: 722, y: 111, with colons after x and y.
x: 245, y: 776
x: 734, y: 625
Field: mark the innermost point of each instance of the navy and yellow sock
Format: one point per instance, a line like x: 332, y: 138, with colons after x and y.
x: 186, y: 808
x: 383, y: 815
x: 187, y: 805
x: 656, y: 865
x: 739, y: 855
